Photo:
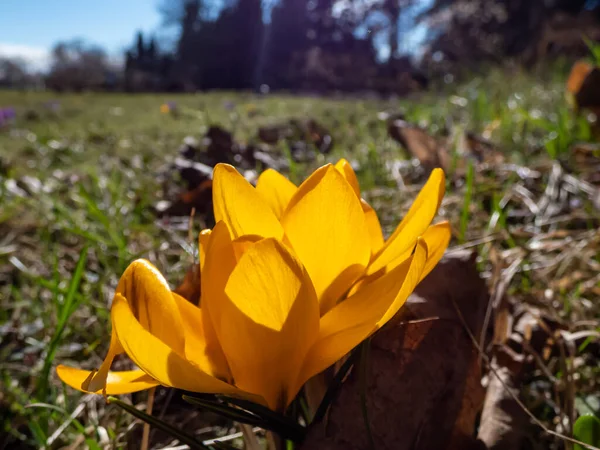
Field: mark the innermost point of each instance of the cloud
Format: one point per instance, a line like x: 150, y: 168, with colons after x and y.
x: 37, y: 58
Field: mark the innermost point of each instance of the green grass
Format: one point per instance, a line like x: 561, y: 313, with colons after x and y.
x: 102, y: 157
x: 64, y: 310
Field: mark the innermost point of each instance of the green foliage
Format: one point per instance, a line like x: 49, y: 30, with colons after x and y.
x: 159, y: 424
x: 594, y: 48
x: 65, y: 308
x: 464, y: 216
x: 587, y: 429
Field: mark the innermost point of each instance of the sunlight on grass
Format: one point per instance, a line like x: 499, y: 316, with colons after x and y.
x: 103, y: 162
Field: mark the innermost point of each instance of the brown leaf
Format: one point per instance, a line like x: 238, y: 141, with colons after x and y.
x: 434, y: 152
x: 579, y: 72
x: 190, y: 286
x: 584, y: 85
x: 199, y: 198
x: 430, y: 152
x: 320, y: 136
x: 193, y: 173
x: 504, y: 424
x: 220, y: 146
x: 483, y: 150
x: 273, y: 133
x: 219, y: 137
x: 423, y: 388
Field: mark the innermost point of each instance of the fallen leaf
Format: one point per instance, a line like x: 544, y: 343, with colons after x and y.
x: 584, y: 85
x: 199, y: 198
x: 190, y: 288
x: 273, y: 133
x: 423, y: 377
x: 193, y: 173
x: 430, y: 152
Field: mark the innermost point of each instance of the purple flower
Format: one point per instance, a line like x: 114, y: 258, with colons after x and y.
x: 6, y: 115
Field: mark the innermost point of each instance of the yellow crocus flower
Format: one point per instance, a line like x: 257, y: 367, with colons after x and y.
x: 293, y: 278
x: 335, y: 233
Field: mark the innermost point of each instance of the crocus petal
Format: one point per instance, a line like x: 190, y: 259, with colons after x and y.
x: 98, y: 380
x: 237, y: 203
x: 414, y: 224
x: 150, y: 299
x: 276, y: 190
x: 195, y: 339
x: 220, y: 261
x: 346, y: 170
x: 117, y: 383
x: 243, y: 243
x: 152, y: 303
x: 325, y: 225
x: 203, y: 238
x: 270, y: 319
x: 354, y: 319
x: 437, y: 238
x: 373, y: 226
x: 158, y: 360
x: 413, y: 277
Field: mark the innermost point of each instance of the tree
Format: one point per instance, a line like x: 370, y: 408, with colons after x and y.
x: 215, y: 52
x: 471, y: 31
x: 141, y: 49
x: 13, y: 73
x: 186, y: 65
x: 152, y: 49
x: 305, y: 44
x: 246, y: 34
x: 78, y: 66
x: 289, y: 36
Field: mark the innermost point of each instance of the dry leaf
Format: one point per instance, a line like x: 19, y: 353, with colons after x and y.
x: 199, y: 198
x: 584, y: 85
x: 423, y: 387
x: 190, y: 286
x: 430, y: 152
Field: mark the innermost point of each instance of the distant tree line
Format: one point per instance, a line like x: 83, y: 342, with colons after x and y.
x: 15, y: 74
x: 464, y: 33
x: 79, y: 66
x: 323, y: 45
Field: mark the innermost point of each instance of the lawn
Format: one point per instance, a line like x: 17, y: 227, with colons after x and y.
x: 81, y: 174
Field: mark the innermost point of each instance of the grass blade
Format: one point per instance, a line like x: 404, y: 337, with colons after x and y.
x: 464, y: 216
x: 224, y: 410
x: 66, y: 309
x: 287, y: 428
x: 184, y: 438
x: 334, y: 388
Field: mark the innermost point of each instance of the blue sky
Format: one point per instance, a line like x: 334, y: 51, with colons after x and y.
x: 31, y: 27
